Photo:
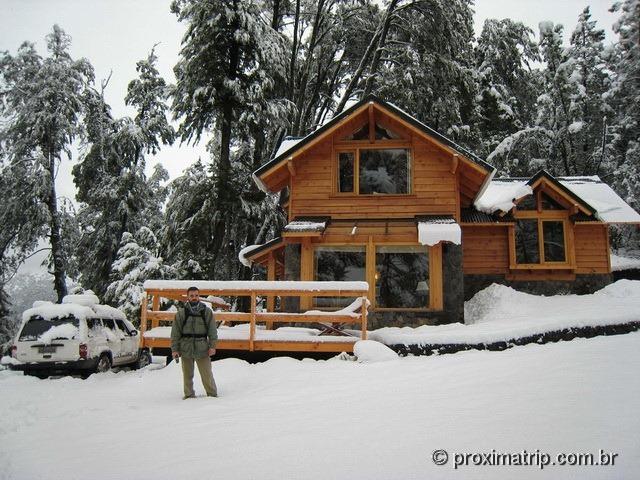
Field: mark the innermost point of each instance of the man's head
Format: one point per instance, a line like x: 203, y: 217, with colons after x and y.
x: 193, y: 295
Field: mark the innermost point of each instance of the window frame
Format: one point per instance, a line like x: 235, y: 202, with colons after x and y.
x: 435, y: 280
x: 354, y: 147
x: 542, y: 216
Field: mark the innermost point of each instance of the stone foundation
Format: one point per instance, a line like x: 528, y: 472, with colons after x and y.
x: 583, y: 284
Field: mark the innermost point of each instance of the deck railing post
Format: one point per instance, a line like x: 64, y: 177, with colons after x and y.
x: 252, y: 327
x: 363, y: 311
x: 143, y: 313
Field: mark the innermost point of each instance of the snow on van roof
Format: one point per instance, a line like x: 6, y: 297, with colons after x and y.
x: 81, y: 312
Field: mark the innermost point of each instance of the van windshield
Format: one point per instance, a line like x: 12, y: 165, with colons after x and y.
x: 36, y: 327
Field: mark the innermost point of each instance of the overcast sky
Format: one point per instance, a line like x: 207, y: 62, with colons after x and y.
x: 115, y: 34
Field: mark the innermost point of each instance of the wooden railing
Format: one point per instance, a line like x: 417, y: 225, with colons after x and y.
x: 154, y: 318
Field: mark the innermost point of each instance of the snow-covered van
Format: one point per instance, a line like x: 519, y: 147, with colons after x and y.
x: 78, y: 336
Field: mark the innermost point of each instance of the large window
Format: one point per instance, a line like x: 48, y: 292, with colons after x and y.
x: 540, y: 241
x: 402, y: 277
x: 367, y: 171
x: 339, y: 263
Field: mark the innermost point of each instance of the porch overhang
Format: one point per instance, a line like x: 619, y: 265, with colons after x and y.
x: 434, y: 229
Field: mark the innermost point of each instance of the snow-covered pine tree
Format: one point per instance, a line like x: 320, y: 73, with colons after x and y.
x: 589, y: 82
x: 231, y: 63
x: 42, y: 102
x: 426, y: 65
x: 624, y: 156
x: 115, y: 193
x: 507, y: 85
x: 137, y: 260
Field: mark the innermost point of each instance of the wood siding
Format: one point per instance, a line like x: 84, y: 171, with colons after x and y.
x: 592, y: 248
x: 485, y: 249
x: 434, y: 187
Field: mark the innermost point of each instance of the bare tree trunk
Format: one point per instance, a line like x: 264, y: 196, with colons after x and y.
x: 294, y: 54
x: 373, y: 70
x: 57, y: 249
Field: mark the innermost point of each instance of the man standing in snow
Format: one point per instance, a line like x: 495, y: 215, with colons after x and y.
x: 193, y: 338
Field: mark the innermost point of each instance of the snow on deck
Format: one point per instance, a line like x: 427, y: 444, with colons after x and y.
x: 281, y: 334
x: 499, y: 313
x: 305, y: 226
x: 221, y: 285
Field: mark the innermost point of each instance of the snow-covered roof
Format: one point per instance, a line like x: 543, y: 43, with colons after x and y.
x: 241, y: 255
x: 307, y: 225
x: 286, y: 144
x: 611, y: 208
x: 432, y: 231
x: 221, y: 285
x: 502, y: 193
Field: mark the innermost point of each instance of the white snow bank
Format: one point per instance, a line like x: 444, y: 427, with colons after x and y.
x: 369, y: 351
x: 83, y: 299
x: 501, y: 195
x: 624, y: 263
x: 65, y: 330
x: 41, y: 303
x: 433, y: 233
x: 222, y: 285
x: 500, y: 313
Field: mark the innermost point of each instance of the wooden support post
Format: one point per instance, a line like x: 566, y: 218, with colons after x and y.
x: 372, y: 124
x: 306, y: 270
x: 370, y: 266
x: 363, y: 312
x: 271, y: 275
x: 143, y: 315
x: 455, y: 162
x: 292, y: 170
x: 435, y: 275
x: 252, y: 326
x: 156, y: 303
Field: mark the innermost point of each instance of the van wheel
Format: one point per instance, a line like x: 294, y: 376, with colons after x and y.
x: 144, y: 359
x: 104, y: 364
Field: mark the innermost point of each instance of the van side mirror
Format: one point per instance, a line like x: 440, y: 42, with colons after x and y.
x: 134, y: 333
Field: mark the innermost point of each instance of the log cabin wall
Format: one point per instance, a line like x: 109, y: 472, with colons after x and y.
x: 592, y: 248
x: 313, y: 187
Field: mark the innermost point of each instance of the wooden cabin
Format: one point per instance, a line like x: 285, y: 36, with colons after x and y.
x: 375, y: 195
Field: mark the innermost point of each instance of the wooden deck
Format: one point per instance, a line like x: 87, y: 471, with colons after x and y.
x: 262, y: 333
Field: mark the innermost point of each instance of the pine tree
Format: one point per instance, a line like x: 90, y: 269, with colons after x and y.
x: 43, y: 102
x: 137, y: 260
x: 507, y: 85
x: 624, y: 158
x: 116, y: 196
x: 230, y: 66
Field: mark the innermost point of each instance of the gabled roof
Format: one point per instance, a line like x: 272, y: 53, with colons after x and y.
x: 290, y: 145
x: 594, y: 196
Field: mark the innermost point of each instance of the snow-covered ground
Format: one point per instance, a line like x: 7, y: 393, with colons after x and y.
x: 500, y: 313
x: 619, y: 262
x: 289, y: 419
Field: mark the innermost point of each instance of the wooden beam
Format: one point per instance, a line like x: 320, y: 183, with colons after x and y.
x: 252, y: 326
x: 372, y: 124
x: 455, y: 162
x: 435, y: 277
x: 271, y: 275
x: 292, y: 170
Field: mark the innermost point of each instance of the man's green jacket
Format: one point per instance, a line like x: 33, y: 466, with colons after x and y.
x: 192, y: 335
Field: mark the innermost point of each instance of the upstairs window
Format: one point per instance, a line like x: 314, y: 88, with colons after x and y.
x: 370, y: 171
